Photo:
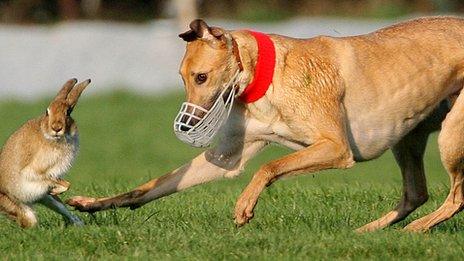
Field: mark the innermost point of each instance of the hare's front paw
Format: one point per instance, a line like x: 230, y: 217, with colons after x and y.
x: 60, y: 187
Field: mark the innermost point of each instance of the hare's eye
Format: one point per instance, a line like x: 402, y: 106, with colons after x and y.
x: 68, y: 112
x: 47, y: 112
x: 201, y: 78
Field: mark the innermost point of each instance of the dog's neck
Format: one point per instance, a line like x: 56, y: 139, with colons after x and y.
x: 248, y: 53
x: 261, y: 109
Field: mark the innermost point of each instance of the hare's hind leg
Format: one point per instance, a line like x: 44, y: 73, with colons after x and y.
x: 54, y: 203
x: 451, y: 145
x: 17, y: 211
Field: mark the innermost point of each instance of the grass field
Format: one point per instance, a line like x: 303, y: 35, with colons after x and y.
x: 128, y: 139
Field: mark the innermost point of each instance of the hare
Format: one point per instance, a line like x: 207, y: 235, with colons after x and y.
x: 35, y: 158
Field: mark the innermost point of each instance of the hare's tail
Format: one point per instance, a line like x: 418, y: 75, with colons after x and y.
x: 17, y: 211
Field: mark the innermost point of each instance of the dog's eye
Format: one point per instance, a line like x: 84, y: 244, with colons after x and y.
x: 201, y: 78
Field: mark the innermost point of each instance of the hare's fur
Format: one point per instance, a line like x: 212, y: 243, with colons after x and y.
x: 35, y: 158
x: 44, y: 161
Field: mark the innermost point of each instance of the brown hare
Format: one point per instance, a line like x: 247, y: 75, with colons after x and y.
x: 36, y: 157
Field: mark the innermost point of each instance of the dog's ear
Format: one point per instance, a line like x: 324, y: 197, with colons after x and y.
x: 200, y: 30
x: 218, y: 33
x: 188, y: 36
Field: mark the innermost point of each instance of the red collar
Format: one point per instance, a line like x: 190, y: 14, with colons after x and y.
x: 264, y: 70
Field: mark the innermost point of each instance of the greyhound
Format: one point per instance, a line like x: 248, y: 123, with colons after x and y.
x: 334, y: 100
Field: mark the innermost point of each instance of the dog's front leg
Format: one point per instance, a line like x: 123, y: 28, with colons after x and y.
x: 208, y: 166
x: 323, y: 154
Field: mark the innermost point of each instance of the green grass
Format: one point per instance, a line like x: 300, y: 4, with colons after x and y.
x: 128, y: 139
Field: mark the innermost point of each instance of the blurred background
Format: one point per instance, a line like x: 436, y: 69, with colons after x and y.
x: 133, y: 45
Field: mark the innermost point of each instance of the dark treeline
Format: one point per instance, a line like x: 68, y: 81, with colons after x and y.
x: 49, y: 11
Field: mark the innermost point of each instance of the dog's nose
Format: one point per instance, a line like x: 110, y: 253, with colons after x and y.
x: 184, y: 128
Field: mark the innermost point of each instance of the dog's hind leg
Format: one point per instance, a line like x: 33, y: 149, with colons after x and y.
x: 409, y: 156
x: 451, y: 145
x: 18, y: 212
x: 409, y: 153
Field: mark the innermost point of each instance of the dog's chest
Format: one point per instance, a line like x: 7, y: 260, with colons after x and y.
x: 265, y: 123
x: 283, y: 130
x: 276, y: 132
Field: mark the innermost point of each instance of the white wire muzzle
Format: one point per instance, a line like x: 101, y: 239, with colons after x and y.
x: 202, y: 132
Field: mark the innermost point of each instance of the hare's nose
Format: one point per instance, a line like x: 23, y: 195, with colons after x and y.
x: 57, y: 128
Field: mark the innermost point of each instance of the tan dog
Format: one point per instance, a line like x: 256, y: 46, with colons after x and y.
x: 336, y: 101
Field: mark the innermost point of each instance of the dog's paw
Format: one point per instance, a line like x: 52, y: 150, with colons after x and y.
x: 416, y: 226
x: 244, y: 210
x: 83, y: 204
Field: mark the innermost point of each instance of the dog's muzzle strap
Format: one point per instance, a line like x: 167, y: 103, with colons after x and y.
x: 236, y: 53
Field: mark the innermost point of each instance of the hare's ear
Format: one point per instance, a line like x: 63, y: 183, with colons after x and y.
x: 75, y: 93
x: 67, y: 87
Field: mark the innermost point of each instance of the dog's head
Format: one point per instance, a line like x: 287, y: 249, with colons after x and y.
x: 208, y: 63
